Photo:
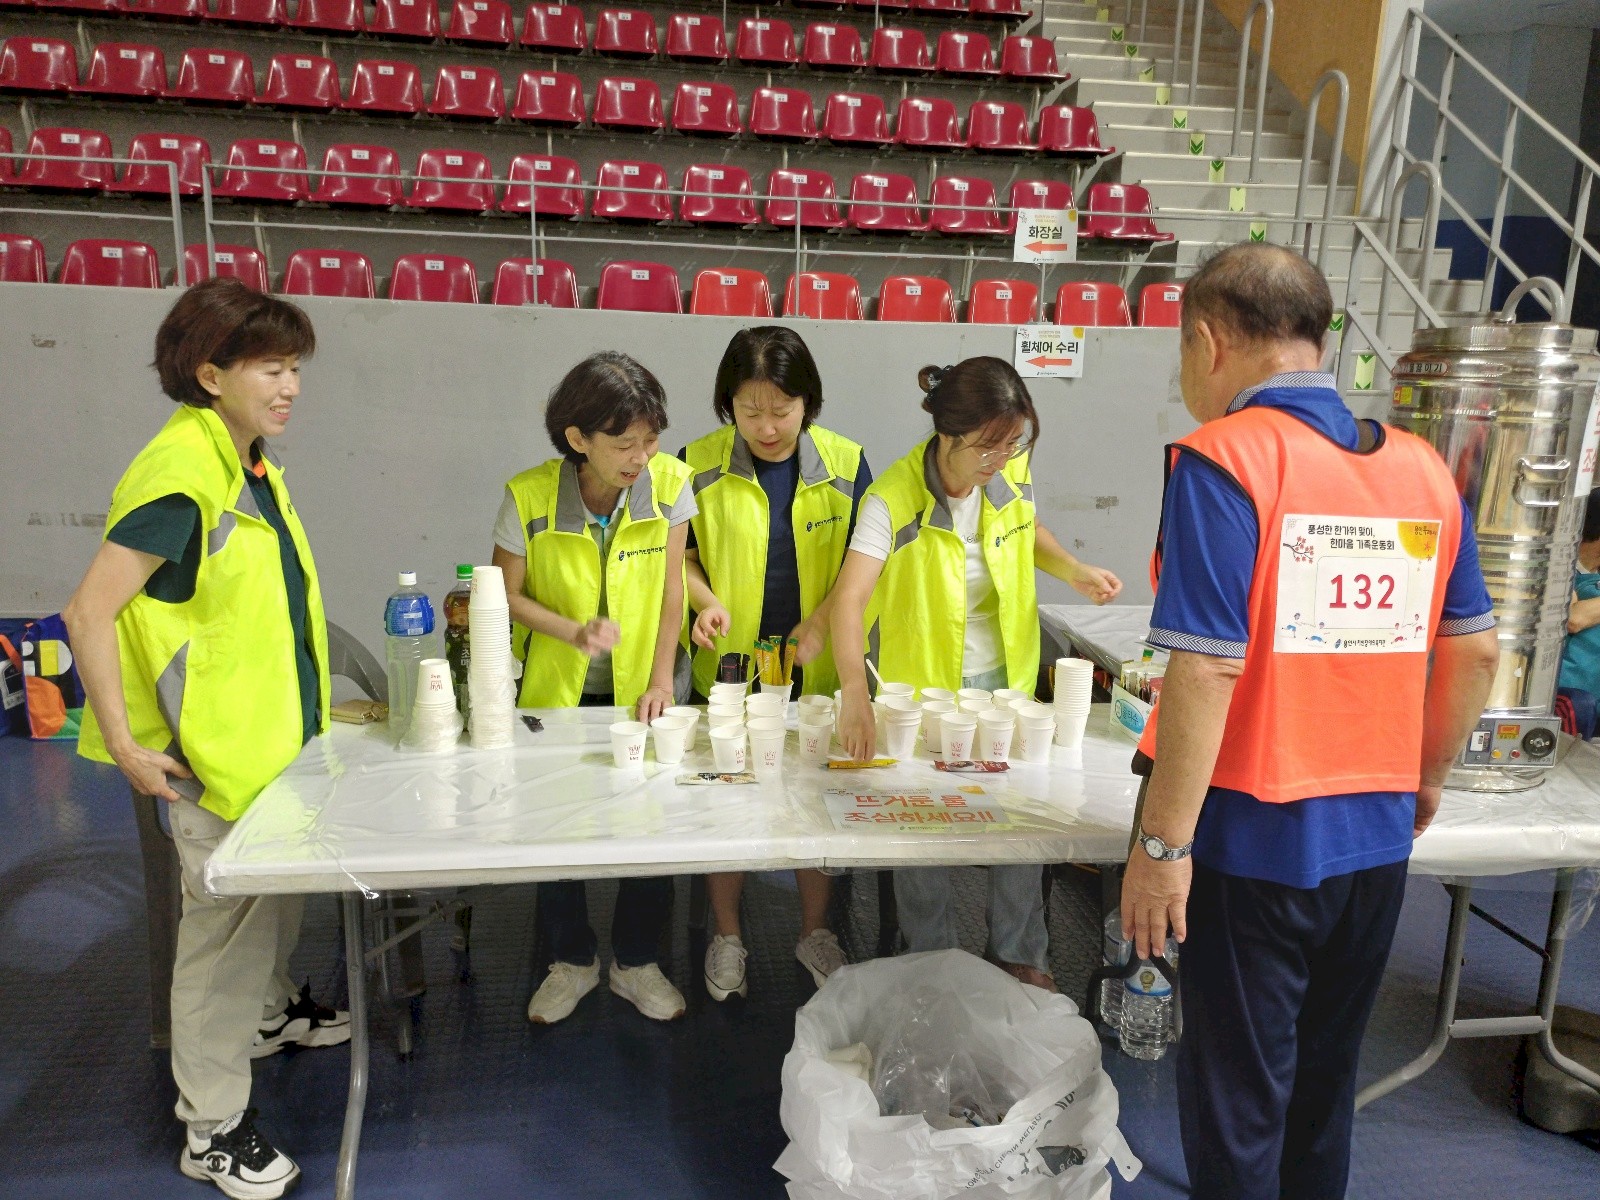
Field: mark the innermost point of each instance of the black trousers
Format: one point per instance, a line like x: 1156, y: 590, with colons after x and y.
x: 1278, y: 983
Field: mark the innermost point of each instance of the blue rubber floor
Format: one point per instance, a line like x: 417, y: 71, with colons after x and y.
x: 608, y: 1104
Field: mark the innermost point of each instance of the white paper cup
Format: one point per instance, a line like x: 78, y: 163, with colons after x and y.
x: 927, y: 694
x: 627, y: 744
x: 731, y: 693
x: 896, y: 689
x: 766, y: 704
x: 994, y: 735
x: 433, y: 685
x: 672, y: 737
x: 724, y: 721
x: 900, y: 704
x: 720, y: 708
x: 1069, y: 730
x: 973, y: 705
x: 1008, y: 695
x: 816, y: 737
x: 974, y: 694
x: 900, y: 736
x: 694, y: 715
x: 786, y: 690
x: 727, y: 747
x: 1036, y: 712
x: 767, y: 736
x: 819, y: 706
x: 488, y: 588
x: 957, y: 733
x: 1033, y: 741
x: 933, y: 724
x: 1073, y: 665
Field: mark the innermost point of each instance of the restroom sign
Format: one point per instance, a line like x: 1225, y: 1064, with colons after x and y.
x: 1049, y: 351
x: 1046, y: 235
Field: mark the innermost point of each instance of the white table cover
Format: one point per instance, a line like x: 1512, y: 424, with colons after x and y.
x: 1110, y: 636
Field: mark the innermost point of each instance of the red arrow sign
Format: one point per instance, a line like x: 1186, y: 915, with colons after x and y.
x: 1046, y: 247
x: 1045, y: 361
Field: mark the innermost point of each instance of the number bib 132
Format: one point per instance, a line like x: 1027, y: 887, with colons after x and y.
x: 1355, y: 585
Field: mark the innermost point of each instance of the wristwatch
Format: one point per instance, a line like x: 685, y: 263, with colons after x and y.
x: 1159, y: 850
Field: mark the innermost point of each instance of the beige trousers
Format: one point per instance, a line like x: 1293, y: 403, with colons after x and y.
x: 229, y: 976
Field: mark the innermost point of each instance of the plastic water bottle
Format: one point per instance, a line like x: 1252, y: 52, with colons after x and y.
x: 1116, y: 950
x: 1147, y: 1010
x: 408, y: 624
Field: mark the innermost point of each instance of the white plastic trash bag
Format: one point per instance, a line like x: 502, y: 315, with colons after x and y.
x: 1037, y: 1059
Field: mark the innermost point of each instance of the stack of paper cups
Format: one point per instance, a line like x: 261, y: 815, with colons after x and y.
x: 1036, y: 728
x: 1074, y: 686
x: 767, y: 704
x: 994, y: 734
x: 718, y: 715
x: 815, y: 706
x: 958, y: 732
x: 767, y: 736
x: 435, y: 723
x: 902, y: 717
x: 728, y: 693
x: 491, y: 693
x: 933, y: 724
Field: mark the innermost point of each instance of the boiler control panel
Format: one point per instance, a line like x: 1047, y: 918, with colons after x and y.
x: 1512, y: 742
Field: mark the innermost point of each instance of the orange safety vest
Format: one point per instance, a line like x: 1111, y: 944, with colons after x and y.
x: 1355, y: 552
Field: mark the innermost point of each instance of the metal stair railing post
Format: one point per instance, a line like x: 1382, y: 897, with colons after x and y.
x: 1264, y: 69
x: 1430, y: 229
x: 1194, y: 51
x: 1335, y: 161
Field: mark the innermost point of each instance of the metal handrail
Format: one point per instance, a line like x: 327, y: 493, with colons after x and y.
x: 1263, y: 71
x: 176, y: 217
x: 1335, y: 159
x: 1430, y: 234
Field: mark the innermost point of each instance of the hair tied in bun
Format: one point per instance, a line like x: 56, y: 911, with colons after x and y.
x: 931, y: 377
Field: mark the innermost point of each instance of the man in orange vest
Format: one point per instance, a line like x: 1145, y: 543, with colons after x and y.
x: 1332, y: 644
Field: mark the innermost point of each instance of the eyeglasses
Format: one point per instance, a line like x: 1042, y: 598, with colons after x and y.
x: 1002, y: 454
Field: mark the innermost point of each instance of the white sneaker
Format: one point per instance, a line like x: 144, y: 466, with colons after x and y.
x: 648, y: 990
x: 725, y: 967
x: 561, y: 990
x: 820, y: 954
x: 241, y: 1162
x: 303, y: 1023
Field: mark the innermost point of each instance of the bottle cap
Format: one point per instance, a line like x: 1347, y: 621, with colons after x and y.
x: 463, y: 570
x: 408, y: 579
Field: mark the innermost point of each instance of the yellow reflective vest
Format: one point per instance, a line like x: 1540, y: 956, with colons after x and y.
x: 564, y: 574
x: 731, y: 535
x: 211, y: 681
x: 917, y: 618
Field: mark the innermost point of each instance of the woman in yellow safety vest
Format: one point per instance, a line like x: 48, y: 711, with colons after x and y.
x: 939, y: 587
x: 591, y: 544
x: 199, y: 637
x: 777, y: 495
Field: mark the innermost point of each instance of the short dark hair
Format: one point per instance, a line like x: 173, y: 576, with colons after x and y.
x: 605, y: 393
x: 1260, y: 293
x: 1591, y: 518
x: 224, y: 322
x: 771, y: 354
x: 974, y: 394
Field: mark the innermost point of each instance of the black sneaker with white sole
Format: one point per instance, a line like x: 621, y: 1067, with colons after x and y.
x: 239, y: 1160
x: 303, y: 1023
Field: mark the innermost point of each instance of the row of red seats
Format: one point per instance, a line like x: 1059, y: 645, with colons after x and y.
x: 366, y: 176
x: 624, y: 286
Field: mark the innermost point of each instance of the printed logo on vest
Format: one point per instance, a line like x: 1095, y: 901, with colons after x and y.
x: 623, y: 555
x: 1001, y: 538
x: 813, y: 525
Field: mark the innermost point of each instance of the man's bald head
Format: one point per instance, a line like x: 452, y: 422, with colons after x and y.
x: 1259, y: 294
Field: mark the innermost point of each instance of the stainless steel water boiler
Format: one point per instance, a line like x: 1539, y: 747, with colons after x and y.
x: 1511, y: 408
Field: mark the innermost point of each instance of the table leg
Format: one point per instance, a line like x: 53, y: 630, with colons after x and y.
x: 1550, y: 982
x: 355, y: 1105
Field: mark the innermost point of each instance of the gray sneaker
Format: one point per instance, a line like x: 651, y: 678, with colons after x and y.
x: 821, y: 954
x: 725, y: 968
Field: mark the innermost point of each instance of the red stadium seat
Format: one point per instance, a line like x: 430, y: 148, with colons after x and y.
x: 928, y: 122
x: 1055, y: 194
x: 252, y: 12
x: 328, y: 273
x: 442, y: 278
x: 38, y: 64
x: 523, y: 281
x: 126, y: 71
x: 1161, y: 305
x: 365, y: 160
x: 474, y: 93
x: 330, y: 16
x: 730, y: 292
x: 640, y: 287
x: 215, y: 77
x: 102, y: 7
x: 726, y: 199
x: 458, y: 180
x: 881, y: 6
x: 417, y: 20
x: 554, y: 29
x: 625, y: 33
x: 385, y: 87
x: 73, y: 176
x: 783, y: 114
x: 696, y: 38
x: 103, y: 262
x: 1087, y: 303
x: 615, y: 204
x: 548, y: 98
x: 168, y: 10
x: 21, y: 259
x: 558, y: 193
x: 835, y: 47
x: 886, y: 204
x: 482, y: 22
x: 1003, y: 10
x: 1003, y: 302
x: 902, y: 50
x: 977, y: 213
x: 822, y: 296
x: 1124, y: 214
x: 940, y: 7
x: 264, y: 169
x: 1000, y: 126
x: 233, y: 262
x: 964, y: 54
x: 856, y: 119
x: 763, y: 40
x: 627, y: 104
x: 804, y: 196
x: 301, y: 81
x: 707, y: 110
x: 1030, y: 58
x: 915, y: 298
x: 149, y: 175
x: 1065, y: 129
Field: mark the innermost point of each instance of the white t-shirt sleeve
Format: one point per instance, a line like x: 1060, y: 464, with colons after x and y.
x: 508, y: 534
x: 684, y: 508
x: 873, y: 537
